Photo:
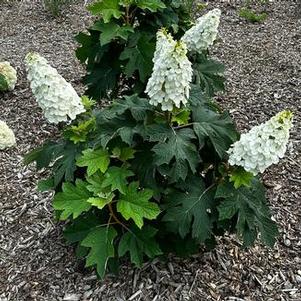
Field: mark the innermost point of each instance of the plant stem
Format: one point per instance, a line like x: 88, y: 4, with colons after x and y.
x: 183, y: 126
x: 168, y: 117
x: 117, y: 220
x: 127, y: 15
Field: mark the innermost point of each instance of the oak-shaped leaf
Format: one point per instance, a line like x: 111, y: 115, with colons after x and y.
x: 139, y: 243
x: 80, y: 227
x: 218, y: 128
x: 116, y: 178
x: 189, y: 211
x: 139, y: 57
x: 94, y: 160
x: 101, y: 200
x: 253, y: 215
x: 111, y: 31
x: 135, y: 204
x: 177, y: 145
x: 240, y: 177
x: 151, y: 5
x: 101, y: 244
x: 107, y: 9
x: 72, y: 201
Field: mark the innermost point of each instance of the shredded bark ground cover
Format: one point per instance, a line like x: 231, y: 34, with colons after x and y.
x: 263, y: 77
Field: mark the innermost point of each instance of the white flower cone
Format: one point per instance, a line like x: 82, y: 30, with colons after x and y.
x: 204, y: 33
x: 169, y: 84
x: 54, y: 94
x: 9, y: 75
x: 7, y: 137
x: 263, y: 145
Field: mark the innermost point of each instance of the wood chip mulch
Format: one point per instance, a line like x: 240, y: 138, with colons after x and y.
x: 263, y: 77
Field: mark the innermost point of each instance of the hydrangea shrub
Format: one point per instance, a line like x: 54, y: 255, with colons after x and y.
x: 150, y: 173
x: 8, y: 77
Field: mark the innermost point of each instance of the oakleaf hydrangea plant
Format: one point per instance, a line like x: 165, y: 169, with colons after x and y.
x: 8, y: 77
x: 150, y: 173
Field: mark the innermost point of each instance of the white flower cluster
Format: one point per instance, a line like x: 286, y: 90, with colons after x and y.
x: 169, y: 84
x: 7, y: 137
x: 263, y: 145
x: 55, y: 96
x: 203, y: 34
x: 9, y: 74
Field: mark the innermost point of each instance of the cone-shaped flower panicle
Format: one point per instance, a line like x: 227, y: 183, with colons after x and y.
x: 8, y: 77
x: 169, y: 84
x: 54, y: 94
x: 7, y: 137
x: 204, y: 32
x: 263, y: 145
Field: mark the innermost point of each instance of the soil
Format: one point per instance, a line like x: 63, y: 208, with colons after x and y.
x: 263, y: 62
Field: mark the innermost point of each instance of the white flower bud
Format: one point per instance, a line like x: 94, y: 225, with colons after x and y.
x: 54, y: 94
x: 7, y: 137
x: 263, y: 145
x: 204, y: 32
x: 8, y: 77
x: 169, y: 84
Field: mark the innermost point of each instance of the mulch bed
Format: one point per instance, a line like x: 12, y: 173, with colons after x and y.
x: 263, y: 77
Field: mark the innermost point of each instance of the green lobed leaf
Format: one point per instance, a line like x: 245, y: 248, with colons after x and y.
x: 95, y: 183
x: 249, y: 204
x: 181, y: 117
x: 116, y: 178
x: 135, y: 204
x: 72, y: 201
x: 136, y: 105
x: 111, y: 31
x: 107, y: 9
x: 64, y: 167
x: 240, y: 177
x: 152, y: 5
x: 44, y: 154
x: 210, y: 75
x: 94, y: 160
x: 139, y: 243
x: 176, y: 144
x: 123, y: 153
x: 139, y: 57
x: 219, y: 128
x: 101, y: 244
x: 78, y: 133
x: 189, y: 211
x: 101, y: 201
x: 80, y: 227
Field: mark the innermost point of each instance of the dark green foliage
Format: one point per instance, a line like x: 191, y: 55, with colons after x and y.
x: 209, y: 74
x: 249, y: 207
x: 119, y: 47
x: 146, y: 185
